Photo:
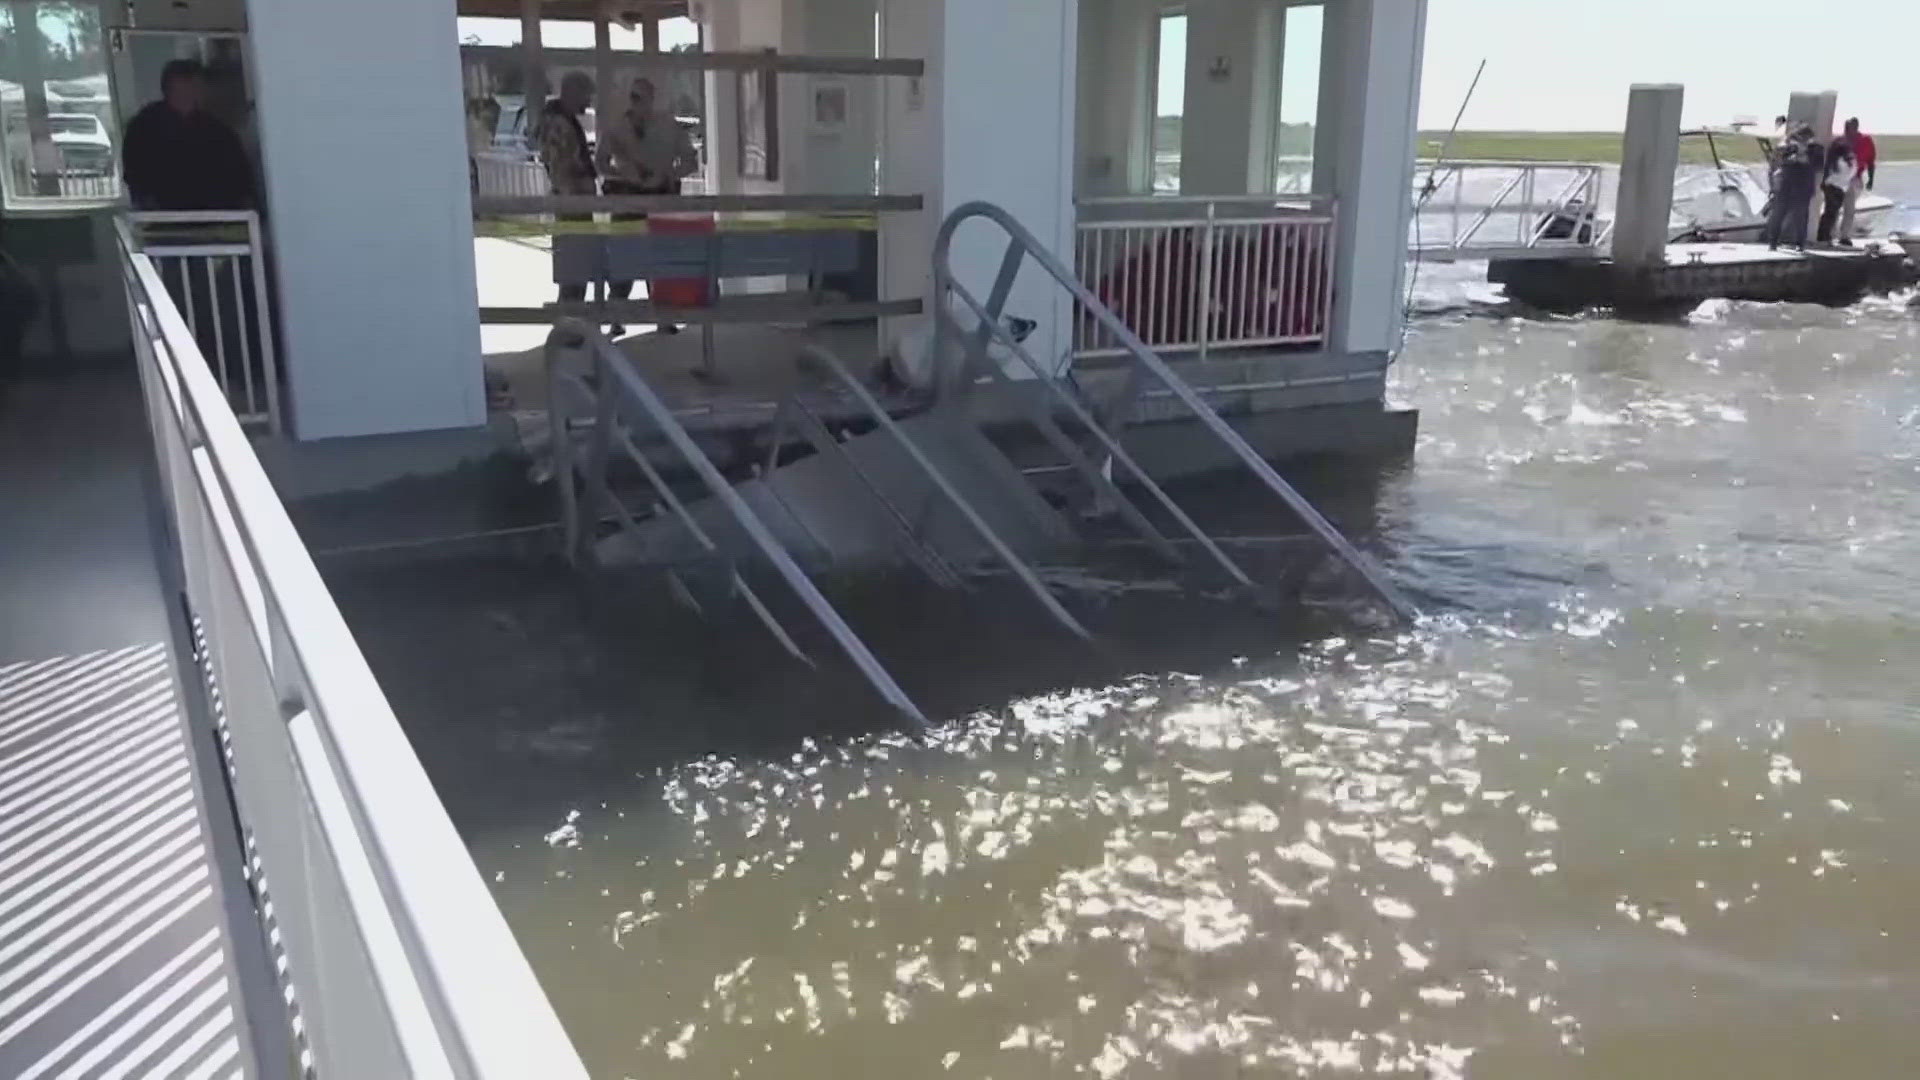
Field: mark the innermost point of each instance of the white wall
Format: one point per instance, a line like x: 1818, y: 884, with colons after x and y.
x: 1233, y: 85
x: 1115, y: 90
x: 1364, y: 156
x: 825, y: 161
x: 365, y: 160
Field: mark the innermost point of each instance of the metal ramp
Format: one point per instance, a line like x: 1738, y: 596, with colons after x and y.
x: 931, y: 489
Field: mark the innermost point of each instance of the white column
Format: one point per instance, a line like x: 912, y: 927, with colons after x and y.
x: 993, y: 120
x: 1114, y: 121
x: 1368, y: 119
x: 1233, y: 83
x: 364, y: 149
x: 1649, y: 154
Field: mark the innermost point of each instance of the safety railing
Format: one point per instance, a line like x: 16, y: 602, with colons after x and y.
x: 213, y: 263
x: 1200, y: 273
x: 618, y: 401
x: 395, y: 956
x: 1119, y: 466
x: 1517, y: 209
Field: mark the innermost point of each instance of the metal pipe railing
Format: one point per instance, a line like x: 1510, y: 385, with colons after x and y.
x: 395, y: 955
x: 1022, y: 245
x: 618, y: 386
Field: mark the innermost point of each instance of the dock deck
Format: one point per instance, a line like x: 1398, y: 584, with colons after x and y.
x: 1693, y: 272
x: 117, y: 954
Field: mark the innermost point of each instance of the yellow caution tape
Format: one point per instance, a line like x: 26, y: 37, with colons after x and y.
x: 509, y: 228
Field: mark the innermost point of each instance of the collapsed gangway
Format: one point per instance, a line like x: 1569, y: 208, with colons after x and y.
x: 928, y: 488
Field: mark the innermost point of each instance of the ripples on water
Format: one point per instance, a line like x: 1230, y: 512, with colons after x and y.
x: 1639, y: 802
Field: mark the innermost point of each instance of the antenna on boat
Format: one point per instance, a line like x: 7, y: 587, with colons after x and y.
x: 1426, y: 192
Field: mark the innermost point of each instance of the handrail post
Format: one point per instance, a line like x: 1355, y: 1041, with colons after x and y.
x: 1203, y: 304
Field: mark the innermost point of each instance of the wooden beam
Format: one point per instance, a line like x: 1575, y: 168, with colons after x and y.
x: 737, y: 310
x: 665, y: 204
x: 780, y: 63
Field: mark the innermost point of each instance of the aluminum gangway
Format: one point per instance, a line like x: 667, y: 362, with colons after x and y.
x: 927, y: 487
x: 219, y: 854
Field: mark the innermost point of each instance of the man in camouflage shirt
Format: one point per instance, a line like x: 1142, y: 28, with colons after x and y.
x: 562, y: 143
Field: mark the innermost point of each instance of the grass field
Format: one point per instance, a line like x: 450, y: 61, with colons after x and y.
x: 1605, y: 146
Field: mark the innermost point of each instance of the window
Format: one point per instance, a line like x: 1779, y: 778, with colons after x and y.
x: 58, y: 143
x: 1170, y: 102
x: 1299, y: 99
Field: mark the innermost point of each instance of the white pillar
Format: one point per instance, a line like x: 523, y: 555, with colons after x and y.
x: 1114, y: 120
x: 1649, y: 154
x: 992, y: 120
x: 1233, y: 88
x: 1364, y: 155
x: 364, y: 148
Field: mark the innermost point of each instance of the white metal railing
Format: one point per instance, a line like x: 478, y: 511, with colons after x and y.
x: 1495, y: 208
x: 214, y: 265
x: 1199, y: 273
x: 395, y: 955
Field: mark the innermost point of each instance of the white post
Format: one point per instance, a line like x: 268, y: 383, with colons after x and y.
x: 364, y: 148
x: 1649, y: 154
x: 1007, y: 137
x: 1364, y: 156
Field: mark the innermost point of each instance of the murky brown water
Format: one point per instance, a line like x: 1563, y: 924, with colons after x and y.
x: 1640, y: 799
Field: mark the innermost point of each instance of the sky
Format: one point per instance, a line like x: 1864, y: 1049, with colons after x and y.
x: 1559, y: 66
x: 1554, y: 65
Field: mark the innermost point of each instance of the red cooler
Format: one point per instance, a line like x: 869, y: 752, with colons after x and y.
x: 679, y: 292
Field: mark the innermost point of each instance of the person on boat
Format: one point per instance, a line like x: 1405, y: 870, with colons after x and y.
x: 1799, y: 163
x: 1866, y: 159
x: 646, y: 152
x: 565, y: 155
x: 1836, y: 187
x: 178, y: 155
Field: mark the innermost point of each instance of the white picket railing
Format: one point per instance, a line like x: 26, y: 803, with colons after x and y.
x: 1200, y: 273
x: 214, y: 265
x: 395, y: 956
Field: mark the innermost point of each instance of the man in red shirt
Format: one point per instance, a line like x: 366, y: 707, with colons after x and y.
x: 1865, y: 157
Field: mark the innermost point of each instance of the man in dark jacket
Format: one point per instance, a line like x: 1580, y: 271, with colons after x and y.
x: 179, y: 156
x: 1799, y: 164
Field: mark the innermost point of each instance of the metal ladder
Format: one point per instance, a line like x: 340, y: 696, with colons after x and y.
x: 974, y: 368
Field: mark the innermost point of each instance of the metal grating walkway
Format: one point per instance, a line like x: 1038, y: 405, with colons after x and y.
x: 113, y: 962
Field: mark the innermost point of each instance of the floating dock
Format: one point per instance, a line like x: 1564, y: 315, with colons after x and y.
x: 1693, y: 272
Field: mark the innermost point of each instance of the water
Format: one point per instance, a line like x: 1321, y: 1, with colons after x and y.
x: 1638, y: 799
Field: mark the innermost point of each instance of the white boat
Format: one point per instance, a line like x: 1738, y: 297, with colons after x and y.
x: 1728, y: 200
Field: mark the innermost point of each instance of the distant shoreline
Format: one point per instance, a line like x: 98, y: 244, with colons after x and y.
x: 1604, y: 146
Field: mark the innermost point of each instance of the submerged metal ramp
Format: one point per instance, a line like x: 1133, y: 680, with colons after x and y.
x: 930, y: 489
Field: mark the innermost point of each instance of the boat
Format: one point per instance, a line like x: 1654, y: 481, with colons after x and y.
x: 1728, y: 200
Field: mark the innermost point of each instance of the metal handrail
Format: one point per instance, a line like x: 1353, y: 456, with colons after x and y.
x: 613, y: 372
x: 1579, y: 197
x: 453, y: 994
x: 1021, y: 245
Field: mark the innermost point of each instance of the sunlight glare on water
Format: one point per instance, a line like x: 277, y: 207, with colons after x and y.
x: 1637, y: 798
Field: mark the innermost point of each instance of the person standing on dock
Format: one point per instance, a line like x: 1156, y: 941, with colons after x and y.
x: 565, y: 154
x: 1837, y: 187
x: 1798, y: 163
x: 1866, y: 160
x: 645, y: 152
